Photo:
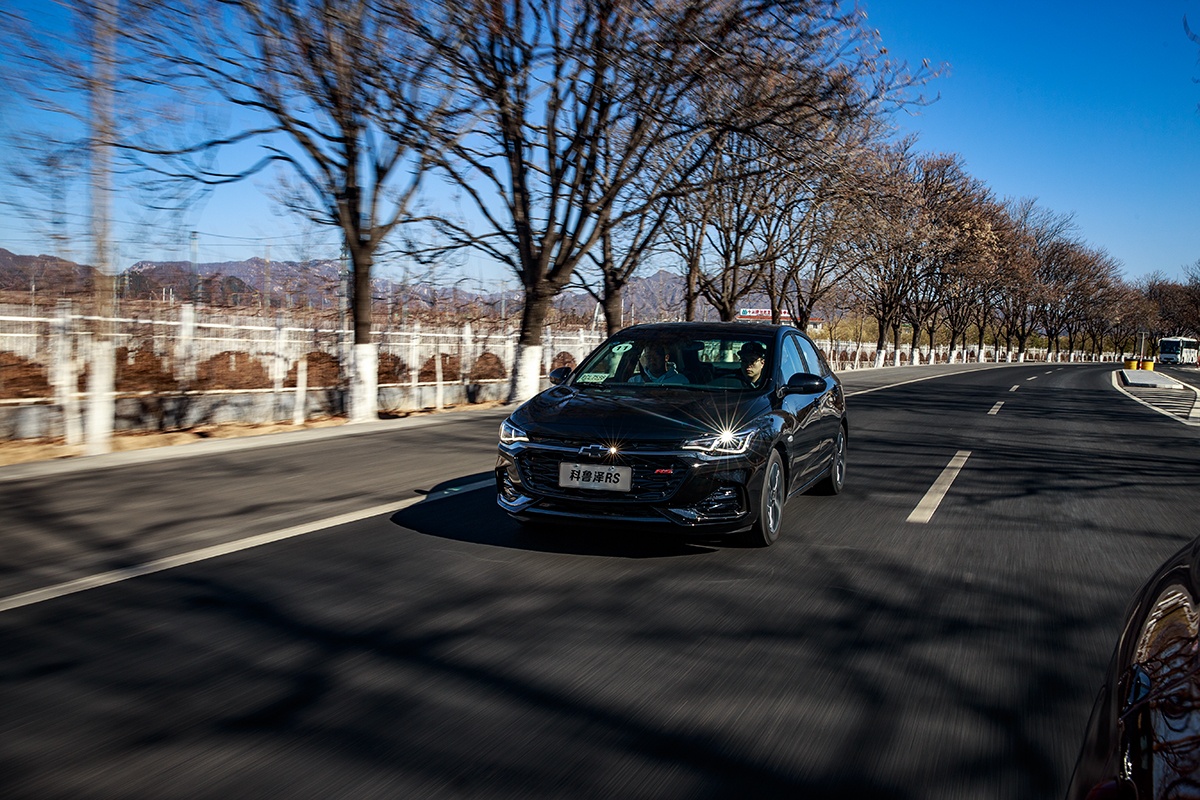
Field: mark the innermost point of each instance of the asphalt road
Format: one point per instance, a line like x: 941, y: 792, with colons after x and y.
x: 426, y: 647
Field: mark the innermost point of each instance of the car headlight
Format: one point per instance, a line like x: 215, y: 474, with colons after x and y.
x: 510, y: 433
x: 725, y: 443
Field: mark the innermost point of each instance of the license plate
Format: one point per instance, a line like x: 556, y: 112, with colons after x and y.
x: 595, y: 476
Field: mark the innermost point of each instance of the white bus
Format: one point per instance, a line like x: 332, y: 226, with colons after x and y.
x: 1177, y: 350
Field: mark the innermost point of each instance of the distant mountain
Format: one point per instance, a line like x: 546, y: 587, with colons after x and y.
x: 235, y: 282
x: 309, y: 283
x: 657, y: 297
x: 49, y: 274
x: 654, y: 297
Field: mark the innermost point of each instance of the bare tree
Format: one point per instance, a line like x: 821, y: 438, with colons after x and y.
x: 1093, y: 273
x: 736, y: 245
x: 819, y: 203
x: 339, y: 94
x: 890, y: 242
x: 1135, y: 314
x: 996, y: 224
x: 1190, y: 306
x: 77, y: 81
x: 966, y: 244
x: 593, y: 114
x: 1026, y: 246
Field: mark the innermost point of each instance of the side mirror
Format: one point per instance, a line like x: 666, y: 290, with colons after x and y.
x: 559, y: 376
x: 805, y: 383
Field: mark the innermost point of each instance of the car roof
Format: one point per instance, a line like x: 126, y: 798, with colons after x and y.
x: 749, y: 329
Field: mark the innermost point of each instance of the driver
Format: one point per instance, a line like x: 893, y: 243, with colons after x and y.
x: 753, y: 356
x: 654, y: 366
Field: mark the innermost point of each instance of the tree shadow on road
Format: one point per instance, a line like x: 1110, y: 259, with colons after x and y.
x: 450, y: 655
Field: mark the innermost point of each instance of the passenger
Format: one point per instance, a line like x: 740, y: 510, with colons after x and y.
x: 654, y: 366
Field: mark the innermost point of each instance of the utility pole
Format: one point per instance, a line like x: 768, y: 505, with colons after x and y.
x: 193, y: 278
x: 101, y: 409
x: 267, y: 281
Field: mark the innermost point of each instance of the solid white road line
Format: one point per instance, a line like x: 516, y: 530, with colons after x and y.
x: 1191, y: 416
x: 996, y: 409
x: 933, y: 498
x: 183, y: 559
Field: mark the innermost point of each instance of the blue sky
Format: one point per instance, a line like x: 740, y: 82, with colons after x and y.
x: 1092, y: 108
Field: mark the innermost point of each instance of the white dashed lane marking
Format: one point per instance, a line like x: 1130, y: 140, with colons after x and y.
x: 933, y: 498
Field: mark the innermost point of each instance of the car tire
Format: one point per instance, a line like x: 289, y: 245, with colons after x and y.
x: 835, y: 479
x: 771, y: 499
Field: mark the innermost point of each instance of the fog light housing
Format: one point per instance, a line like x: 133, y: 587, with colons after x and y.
x: 725, y: 501
x: 508, y: 489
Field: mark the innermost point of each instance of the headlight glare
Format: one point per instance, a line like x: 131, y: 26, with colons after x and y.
x: 725, y: 443
x: 510, y: 433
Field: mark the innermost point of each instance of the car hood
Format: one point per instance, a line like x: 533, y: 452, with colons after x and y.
x: 646, y: 414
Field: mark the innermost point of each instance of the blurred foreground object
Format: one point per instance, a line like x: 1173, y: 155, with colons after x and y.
x: 1143, y: 739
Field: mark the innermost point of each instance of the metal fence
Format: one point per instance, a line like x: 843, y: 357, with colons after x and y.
x: 179, y: 365
x: 183, y: 347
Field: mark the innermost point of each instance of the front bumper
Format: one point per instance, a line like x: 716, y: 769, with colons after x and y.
x: 670, y: 488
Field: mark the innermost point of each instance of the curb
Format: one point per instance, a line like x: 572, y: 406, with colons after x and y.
x: 1193, y: 417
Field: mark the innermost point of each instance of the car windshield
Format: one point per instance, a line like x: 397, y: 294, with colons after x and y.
x: 646, y: 360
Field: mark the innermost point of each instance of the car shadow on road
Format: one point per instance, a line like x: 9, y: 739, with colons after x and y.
x: 461, y: 510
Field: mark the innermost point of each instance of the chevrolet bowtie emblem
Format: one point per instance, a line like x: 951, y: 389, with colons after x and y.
x: 593, y: 451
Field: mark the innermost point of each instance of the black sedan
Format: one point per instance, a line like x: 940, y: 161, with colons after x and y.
x: 1143, y: 739
x: 700, y: 427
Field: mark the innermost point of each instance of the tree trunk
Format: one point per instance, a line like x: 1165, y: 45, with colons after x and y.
x: 880, y: 342
x: 526, y: 377
x: 364, y: 373
x: 612, y: 302
x: 692, y: 290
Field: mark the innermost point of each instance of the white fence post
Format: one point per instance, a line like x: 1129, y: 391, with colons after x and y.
x: 185, y: 349
x: 509, y: 353
x: 414, y: 356
x: 440, y: 390
x: 299, y: 408
x: 66, y: 375
x: 102, y: 397
x: 467, y: 360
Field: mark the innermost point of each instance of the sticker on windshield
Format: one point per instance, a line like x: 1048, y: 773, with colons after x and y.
x: 592, y: 377
x: 623, y: 347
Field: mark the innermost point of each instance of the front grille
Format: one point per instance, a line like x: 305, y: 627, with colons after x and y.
x: 539, y: 472
x: 626, y: 447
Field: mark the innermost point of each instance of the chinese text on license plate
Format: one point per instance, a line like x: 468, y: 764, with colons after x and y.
x: 595, y: 476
